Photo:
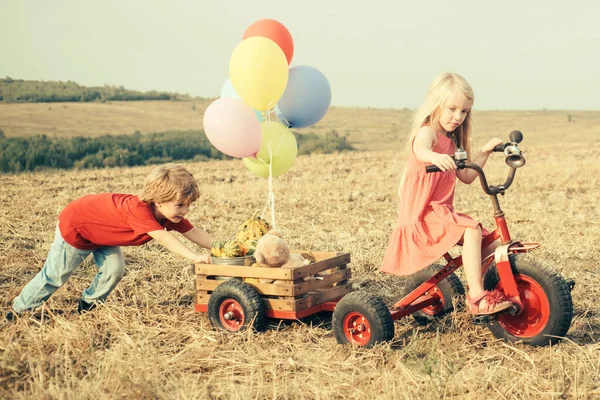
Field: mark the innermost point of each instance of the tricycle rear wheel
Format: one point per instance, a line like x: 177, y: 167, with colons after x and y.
x: 547, y: 304
x: 446, y: 290
x: 362, y: 319
x: 236, y: 306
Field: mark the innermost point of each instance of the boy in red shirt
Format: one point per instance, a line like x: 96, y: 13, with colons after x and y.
x: 99, y: 224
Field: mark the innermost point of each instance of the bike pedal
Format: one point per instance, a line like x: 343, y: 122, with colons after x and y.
x: 513, y: 310
x: 482, y: 319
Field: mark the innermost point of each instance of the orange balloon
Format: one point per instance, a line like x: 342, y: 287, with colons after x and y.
x: 275, y: 31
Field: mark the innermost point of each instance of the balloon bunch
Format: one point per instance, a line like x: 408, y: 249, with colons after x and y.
x: 260, y: 84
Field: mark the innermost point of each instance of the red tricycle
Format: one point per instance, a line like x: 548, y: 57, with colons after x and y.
x: 542, y: 306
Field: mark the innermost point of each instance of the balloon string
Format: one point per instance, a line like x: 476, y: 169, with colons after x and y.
x: 271, y: 200
x: 271, y: 154
x: 278, y: 145
x: 271, y: 197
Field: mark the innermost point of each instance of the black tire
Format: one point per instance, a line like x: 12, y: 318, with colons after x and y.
x: 447, y: 289
x: 362, y: 319
x: 547, y: 304
x: 236, y: 306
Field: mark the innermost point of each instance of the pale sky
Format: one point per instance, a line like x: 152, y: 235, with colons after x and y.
x: 517, y: 54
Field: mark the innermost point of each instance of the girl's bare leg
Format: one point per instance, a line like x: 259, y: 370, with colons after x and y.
x: 471, y: 257
x: 479, y: 301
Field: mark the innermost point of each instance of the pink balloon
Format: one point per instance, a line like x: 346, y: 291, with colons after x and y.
x: 232, y: 127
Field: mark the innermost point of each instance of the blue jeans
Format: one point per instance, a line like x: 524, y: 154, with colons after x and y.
x: 62, y: 261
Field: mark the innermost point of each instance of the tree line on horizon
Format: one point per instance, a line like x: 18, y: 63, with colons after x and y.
x: 31, y: 91
x: 40, y: 152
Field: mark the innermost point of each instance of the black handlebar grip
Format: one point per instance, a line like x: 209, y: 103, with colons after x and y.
x: 499, y: 148
x: 432, y: 168
x: 516, y: 136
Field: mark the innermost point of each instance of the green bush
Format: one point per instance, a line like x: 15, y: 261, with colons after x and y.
x: 331, y: 142
x: 43, y: 152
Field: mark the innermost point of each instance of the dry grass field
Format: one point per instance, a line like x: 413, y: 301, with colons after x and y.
x: 147, y: 342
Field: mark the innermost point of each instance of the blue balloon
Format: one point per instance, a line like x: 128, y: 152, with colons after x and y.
x: 227, y: 90
x: 306, y: 99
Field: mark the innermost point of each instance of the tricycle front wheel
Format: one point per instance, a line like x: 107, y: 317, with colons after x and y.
x: 547, y: 304
x: 363, y: 320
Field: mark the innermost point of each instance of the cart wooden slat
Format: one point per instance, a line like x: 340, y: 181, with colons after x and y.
x: 289, y: 296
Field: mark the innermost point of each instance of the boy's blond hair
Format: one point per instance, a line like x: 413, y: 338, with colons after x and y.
x: 170, y: 182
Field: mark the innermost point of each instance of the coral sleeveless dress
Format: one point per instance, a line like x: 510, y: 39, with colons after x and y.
x: 427, y: 225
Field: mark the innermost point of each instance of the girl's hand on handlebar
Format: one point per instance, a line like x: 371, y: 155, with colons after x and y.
x: 443, y: 161
x: 488, y: 148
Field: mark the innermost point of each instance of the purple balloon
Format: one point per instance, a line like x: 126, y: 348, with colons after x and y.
x: 232, y: 127
x: 306, y: 99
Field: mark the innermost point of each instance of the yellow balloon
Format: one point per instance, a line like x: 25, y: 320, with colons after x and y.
x: 259, y: 72
x: 278, y: 148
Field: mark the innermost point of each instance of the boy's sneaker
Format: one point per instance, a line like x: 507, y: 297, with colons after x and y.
x: 11, y: 316
x: 84, y: 306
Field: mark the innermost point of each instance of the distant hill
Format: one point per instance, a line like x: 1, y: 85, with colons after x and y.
x: 29, y: 91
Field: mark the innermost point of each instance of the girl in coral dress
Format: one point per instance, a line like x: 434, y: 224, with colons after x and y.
x: 427, y: 224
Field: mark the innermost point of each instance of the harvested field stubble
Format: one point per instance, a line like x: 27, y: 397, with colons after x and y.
x: 147, y: 342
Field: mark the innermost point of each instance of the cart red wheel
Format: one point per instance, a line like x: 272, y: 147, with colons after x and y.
x: 231, y: 315
x: 235, y: 306
x: 363, y: 320
x: 547, y: 304
x: 357, y: 328
x: 445, y: 290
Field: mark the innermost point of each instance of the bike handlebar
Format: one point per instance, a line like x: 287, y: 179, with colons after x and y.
x: 514, y: 159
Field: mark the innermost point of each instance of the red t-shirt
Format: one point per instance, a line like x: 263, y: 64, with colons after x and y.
x: 110, y: 219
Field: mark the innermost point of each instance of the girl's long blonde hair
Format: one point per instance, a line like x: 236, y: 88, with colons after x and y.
x: 442, y: 87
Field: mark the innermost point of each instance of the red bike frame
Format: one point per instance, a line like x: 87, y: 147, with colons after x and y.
x: 427, y: 294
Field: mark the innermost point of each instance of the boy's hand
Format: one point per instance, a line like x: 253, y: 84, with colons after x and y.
x: 202, y: 258
x: 489, y: 146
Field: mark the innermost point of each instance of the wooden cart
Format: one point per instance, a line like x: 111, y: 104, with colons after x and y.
x: 238, y: 297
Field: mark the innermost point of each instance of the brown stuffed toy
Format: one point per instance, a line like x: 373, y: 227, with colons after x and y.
x: 273, y: 252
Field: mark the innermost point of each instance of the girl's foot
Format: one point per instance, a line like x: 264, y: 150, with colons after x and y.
x: 488, y: 303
